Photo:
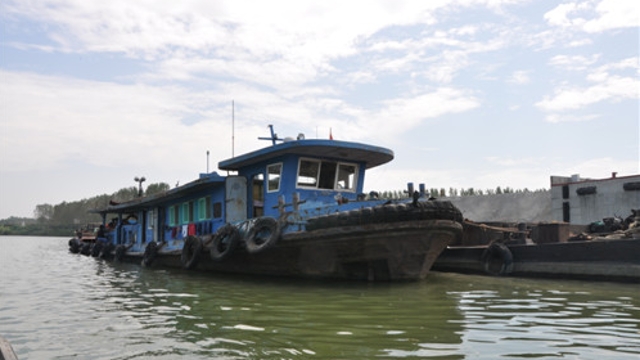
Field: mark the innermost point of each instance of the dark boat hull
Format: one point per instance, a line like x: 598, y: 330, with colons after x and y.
x: 602, y: 259
x: 373, y: 252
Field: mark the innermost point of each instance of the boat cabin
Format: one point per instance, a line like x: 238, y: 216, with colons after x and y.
x: 297, y: 178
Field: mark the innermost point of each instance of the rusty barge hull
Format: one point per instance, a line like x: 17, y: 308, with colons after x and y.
x: 375, y: 252
x: 603, y: 259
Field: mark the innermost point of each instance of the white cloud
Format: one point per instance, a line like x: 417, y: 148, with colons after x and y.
x: 575, y: 62
x: 563, y: 118
x: 520, y: 77
x: 606, y: 87
x: 595, y: 16
x: 99, y: 123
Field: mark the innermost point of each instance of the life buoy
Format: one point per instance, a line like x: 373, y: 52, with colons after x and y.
x: 224, y: 242
x: 264, y: 233
x: 150, y: 253
x: 191, y: 252
x: 497, y: 259
x: 119, y: 253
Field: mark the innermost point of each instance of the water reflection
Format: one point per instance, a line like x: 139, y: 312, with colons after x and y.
x: 238, y: 317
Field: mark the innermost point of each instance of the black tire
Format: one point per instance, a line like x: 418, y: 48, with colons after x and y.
x: 105, y: 252
x: 74, y: 246
x: 497, y: 260
x: 224, y: 242
x: 191, y: 252
x: 97, y: 247
x: 150, y: 253
x: 85, y: 249
x: 263, y: 234
x: 119, y: 253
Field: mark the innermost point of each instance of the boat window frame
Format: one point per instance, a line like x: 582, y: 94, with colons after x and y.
x: 317, y: 177
x: 204, y: 208
x: 269, y: 179
x: 354, y: 185
x: 152, y: 218
x: 174, y: 215
x: 336, y: 176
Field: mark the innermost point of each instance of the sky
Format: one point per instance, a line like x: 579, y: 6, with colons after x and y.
x: 468, y: 93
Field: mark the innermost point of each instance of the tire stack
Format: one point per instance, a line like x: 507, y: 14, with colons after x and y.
x: 387, y: 213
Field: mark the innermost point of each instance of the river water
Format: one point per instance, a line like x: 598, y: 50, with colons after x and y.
x: 57, y: 305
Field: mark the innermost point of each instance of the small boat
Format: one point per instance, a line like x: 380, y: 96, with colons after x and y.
x: 84, y: 239
x: 295, y: 208
x: 545, y: 250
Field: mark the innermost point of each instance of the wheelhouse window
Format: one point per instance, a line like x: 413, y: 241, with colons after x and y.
x: 346, y: 177
x: 327, y: 175
x: 308, y: 171
x: 274, y: 172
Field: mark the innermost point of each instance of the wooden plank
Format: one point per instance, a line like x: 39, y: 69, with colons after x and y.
x: 6, y: 351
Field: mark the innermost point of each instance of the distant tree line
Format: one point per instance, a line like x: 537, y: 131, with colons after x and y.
x: 454, y: 192
x: 62, y: 219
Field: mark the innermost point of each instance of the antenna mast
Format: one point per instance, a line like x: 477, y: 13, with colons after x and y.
x: 233, y: 128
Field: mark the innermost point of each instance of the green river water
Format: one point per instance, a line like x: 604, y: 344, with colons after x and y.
x: 57, y: 305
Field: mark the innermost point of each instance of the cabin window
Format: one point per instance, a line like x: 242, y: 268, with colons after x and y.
x: 174, y: 215
x: 308, y: 173
x: 327, y: 175
x: 346, y: 177
x: 184, y: 213
x: 152, y: 218
x: 273, y: 177
x: 187, y: 212
x: 204, y: 208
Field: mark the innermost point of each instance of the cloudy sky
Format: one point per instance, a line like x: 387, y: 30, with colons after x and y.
x: 468, y: 93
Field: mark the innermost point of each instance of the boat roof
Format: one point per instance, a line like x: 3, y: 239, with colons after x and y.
x: 161, y: 197
x: 371, y: 156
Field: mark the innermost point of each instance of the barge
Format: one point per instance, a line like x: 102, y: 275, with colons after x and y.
x: 295, y: 208
x: 545, y: 250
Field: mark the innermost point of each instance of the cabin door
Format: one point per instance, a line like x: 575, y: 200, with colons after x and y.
x: 235, y: 198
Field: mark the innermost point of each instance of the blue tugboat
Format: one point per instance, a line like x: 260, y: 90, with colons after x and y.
x: 295, y: 208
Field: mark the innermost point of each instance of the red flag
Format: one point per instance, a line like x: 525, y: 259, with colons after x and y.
x: 330, y: 134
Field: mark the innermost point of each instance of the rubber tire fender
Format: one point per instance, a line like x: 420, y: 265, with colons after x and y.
x: 191, y: 252
x: 96, y: 248
x: 150, y: 253
x: 74, y: 246
x: 119, y: 253
x: 501, y: 252
x: 105, y: 251
x: 224, y: 242
x: 263, y: 234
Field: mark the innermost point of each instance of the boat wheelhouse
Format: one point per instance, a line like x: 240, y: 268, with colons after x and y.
x: 295, y: 208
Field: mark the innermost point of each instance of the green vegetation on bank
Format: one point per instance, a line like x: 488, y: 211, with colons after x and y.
x: 64, y: 218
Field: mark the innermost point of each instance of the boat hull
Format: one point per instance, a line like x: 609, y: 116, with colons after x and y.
x: 374, y: 252
x: 602, y: 259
